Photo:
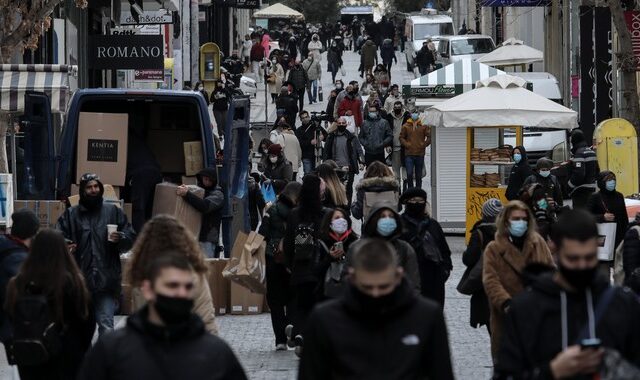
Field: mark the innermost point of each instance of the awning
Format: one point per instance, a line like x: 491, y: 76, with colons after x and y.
x: 451, y: 80
x: 278, y: 10
x: 53, y: 80
x: 512, y: 52
x: 364, y: 10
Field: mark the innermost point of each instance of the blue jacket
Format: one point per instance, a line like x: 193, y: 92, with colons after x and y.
x: 12, y: 254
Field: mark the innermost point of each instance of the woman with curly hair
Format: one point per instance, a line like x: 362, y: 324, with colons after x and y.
x: 165, y: 235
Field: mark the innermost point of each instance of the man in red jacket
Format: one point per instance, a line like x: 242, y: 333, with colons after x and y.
x: 256, y: 56
x: 351, y: 106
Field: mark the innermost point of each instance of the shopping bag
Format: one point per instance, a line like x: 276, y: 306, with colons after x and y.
x: 320, y: 95
x: 351, y: 123
x: 343, y: 72
x: 606, y: 241
x: 247, y: 266
x: 268, y: 193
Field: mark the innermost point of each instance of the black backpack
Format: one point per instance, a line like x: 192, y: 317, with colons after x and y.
x: 36, y: 337
x: 305, y: 243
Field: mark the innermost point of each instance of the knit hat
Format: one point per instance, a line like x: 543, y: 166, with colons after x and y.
x: 491, y: 208
x: 275, y: 149
x: 412, y: 193
x: 25, y: 224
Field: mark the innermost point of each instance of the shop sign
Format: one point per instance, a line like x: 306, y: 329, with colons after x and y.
x: 430, y: 91
x: 149, y: 75
x: 633, y: 24
x: 147, y: 17
x: 247, y: 4
x: 515, y: 3
x: 126, y: 52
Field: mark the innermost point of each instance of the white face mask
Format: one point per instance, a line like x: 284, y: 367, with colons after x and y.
x: 273, y: 159
x: 339, y: 225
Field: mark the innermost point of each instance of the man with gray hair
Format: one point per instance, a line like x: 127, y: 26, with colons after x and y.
x: 380, y: 317
x: 344, y: 148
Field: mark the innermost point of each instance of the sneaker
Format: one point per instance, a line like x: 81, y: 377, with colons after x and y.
x: 288, y: 331
x: 298, y: 351
x: 299, y: 341
x: 281, y: 347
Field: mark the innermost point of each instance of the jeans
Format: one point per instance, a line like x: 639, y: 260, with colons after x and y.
x: 104, y: 305
x: 309, y: 165
x: 255, y: 69
x: 312, y: 91
x: 208, y: 249
x: 414, y: 164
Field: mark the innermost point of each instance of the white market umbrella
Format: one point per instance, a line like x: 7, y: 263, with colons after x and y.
x: 512, y: 52
x: 501, y: 101
x: 278, y: 10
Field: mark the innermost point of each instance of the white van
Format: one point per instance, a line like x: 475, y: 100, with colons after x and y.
x: 470, y: 46
x: 421, y: 27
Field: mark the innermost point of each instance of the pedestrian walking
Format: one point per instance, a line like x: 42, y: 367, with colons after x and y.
x: 315, y: 47
x: 165, y: 235
x: 210, y: 206
x: 519, y: 173
x: 535, y: 198
x: 482, y: 233
x: 516, y: 245
x: 255, y: 200
x: 388, y: 55
x: 344, y: 148
x: 584, y: 170
x: 278, y: 167
x: 369, y: 56
x: 393, y: 97
x: 375, y: 135
x: 415, y: 138
x: 396, y: 118
x: 549, y: 183
x: 569, y: 324
x: 351, y: 106
x: 378, y: 317
x: 310, y: 136
x: 47, y: 303
x: 286, y: 102
x: 247, y: 44
x: 378, y: 185
x: 279, y: 292
x: 96, y: 246
x: 256, y: 56
x: 314, y: 73
x: 164, y: 339
x: 382, y: 79
x: 334, y: 60
x: 334, y: 194
x: 275, y: 79
x: 292, y: 150
x: 425, y: 60
x: 369, y: 85
x: 428, y: 241
x: 355, y: 88
x: 299, y: 79
x: 301, y: 254
x: 220, y: 100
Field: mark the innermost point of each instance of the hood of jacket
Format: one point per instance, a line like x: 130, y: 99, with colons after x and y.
x: 370, y: 230
x: 602, y: 185
x: 192, y: 328
x: 387, y: 42
x: 382, y: 183
x: 398, y: 300
x: 369, y: 43
x: 523, y: 151
x: 210, y: 173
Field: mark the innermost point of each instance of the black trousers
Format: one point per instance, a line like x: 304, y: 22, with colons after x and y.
x: 369, y: 158
x: 300, y: 101
x: 304, y: 300
x: 278, y: 298
x: 432, y: 279
x: 349, y: 187
x: 579, y: 198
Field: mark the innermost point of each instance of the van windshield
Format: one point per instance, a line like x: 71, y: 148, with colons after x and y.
x: 471, y: 46
x: 424, y: 31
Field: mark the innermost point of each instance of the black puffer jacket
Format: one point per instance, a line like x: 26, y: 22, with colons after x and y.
x: 519, y: 173
x: 532, y: 334
x: 146, y: 351
x: 210, y: 206
x: 373, y: 185
x: 631, y: 250
x: 98, y: 258
x: 550, y: 186
x: 347, y: 338
x: 612, y: 202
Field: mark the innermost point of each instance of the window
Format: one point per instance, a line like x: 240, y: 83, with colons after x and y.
x: 471, y: 46
x: 424, y: 31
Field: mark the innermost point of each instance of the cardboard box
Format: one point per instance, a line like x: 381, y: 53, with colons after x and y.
x: 220, y: 287
x: 244, y: 302
x: 111, y: 195
x: 102, y: 146
x: 166, y: 201
x: 189, y: 180
x: 48, y: 212
x: 193, y: 158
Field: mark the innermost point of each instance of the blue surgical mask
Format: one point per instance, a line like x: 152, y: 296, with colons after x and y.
x: 517, y: 228
x: 542, y: 204
x: 544, y: 173
x: 517, y: 157
x: 373, y: 115
x: 415, y: 116
x: 386, y: 226
x: 610, y: 185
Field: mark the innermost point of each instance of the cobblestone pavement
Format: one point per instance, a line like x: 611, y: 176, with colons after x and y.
x: 252, y: 339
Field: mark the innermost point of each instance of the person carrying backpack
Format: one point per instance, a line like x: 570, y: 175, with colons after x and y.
x: 378, y: 186
x: 48, y: 306
x: 301, y: 254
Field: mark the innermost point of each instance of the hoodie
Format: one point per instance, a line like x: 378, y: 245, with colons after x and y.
x: 315, y: 47
x: 406, y: 255
x: 210, y: 206
x: 533, y: 331
x: 612, y: 202
x: 519, y: 173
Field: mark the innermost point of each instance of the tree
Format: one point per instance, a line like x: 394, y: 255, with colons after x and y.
x: 417, y: 5
x: 315, y: 10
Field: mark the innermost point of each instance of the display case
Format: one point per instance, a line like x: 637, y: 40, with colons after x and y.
x: 489, y: 163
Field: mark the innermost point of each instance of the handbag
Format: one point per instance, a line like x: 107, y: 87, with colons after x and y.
x: 471, y: 280
x: 320, y: 95
x: 343, y: 72
x: 271, y: 79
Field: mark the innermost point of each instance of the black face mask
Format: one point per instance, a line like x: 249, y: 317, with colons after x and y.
x: 173, y: 310
x: 397, y: 111
x: 416, y: 210
x: 373, y: 306
x: 578, y: 278
x: 342, y: 128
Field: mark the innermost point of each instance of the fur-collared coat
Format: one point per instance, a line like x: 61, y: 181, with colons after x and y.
x: 374, y: 185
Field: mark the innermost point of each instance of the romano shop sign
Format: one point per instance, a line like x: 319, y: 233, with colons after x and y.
x: 118, y: 52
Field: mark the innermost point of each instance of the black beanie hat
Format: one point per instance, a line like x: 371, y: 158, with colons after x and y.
x: 411, y: 193
x: 25, y: 224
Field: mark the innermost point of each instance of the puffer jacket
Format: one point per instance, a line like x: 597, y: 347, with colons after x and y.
x: 372, y: 185
x: 280, y: 170
x: 375, y: 135
x: 415, y: 138
x: 98, y: 258
x: 315, y: 47
x: 210, y: 207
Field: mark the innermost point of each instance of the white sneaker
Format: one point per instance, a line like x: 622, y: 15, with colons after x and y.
x: 281, y: 347
x: 288, y: 331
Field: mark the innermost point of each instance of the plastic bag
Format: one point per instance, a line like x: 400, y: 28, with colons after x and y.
x: 268, y: 193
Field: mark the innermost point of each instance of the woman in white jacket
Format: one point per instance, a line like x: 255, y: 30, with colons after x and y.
x: 315, y: 46
x: 292, y: 149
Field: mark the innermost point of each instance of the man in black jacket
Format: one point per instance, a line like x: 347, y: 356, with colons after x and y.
x: 558, y: 327
x: 378, y: 329
x: 164, y: 340
x: 344, y: 148
x: 97, y: 252
x: 584, y: 170
x: 310, y: 136
x: 548, y: 181
x: 299, y: 80
x: 286, y: 103
x: 425, y: 59
x: 210, y: 206
x: 427, y: 238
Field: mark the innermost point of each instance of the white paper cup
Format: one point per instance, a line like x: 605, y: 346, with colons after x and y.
x: 111, y: 228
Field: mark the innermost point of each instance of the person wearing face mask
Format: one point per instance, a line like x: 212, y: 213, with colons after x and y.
x: 397, y: 116
x: 549, y: 183
x: 310, y: 135
x: 275, y: 77
x: 608, y: 206
x: 334, y: 60
x: 286, y: 105
x: 353, y: 90
x: 378, y: 316
x: 519, y: 173
x: 314, y: 72
x: 393, y: 97
x: 516, y: 245
x: 428, y: 241
x: 278, y: 167
x: 336, y: 237
x: 344, y: 148
x: 415, y: 138
x: 264, y: 152
x: 375, y: 135
x: 220, y: 100
x: 163, y: 333
x: 299, y: 79
x: 315, y: 47
x: 351, y: 105
x: 534, y: 196
x: 547, y: 324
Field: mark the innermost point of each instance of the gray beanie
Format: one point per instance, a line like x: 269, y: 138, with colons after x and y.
x: 491, y: 208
